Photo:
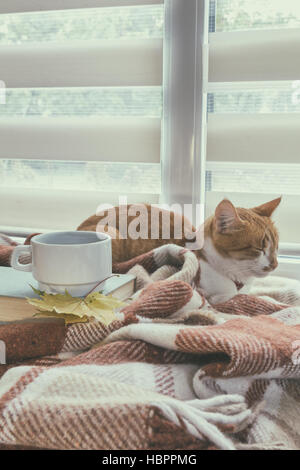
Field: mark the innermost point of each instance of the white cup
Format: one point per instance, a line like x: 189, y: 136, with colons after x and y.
x: 73, y: 261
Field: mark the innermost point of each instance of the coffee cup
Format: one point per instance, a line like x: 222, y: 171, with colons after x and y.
x: 74, y: 261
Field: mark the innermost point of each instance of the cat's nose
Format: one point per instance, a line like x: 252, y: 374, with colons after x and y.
x: 273, y: 265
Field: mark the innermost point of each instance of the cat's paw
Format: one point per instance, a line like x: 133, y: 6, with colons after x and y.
x: 220, y: 298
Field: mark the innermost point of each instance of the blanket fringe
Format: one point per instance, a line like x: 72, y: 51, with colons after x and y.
x: 204, y: 424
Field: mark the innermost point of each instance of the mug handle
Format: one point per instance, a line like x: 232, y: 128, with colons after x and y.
x: 17, y: 252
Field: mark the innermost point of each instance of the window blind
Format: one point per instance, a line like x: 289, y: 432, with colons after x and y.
x: 81, y: 123
x: 253, y: 89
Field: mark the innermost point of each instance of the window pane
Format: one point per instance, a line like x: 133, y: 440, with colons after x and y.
x: 258, y: 178
x: 256, y: 98
x: 122, y: 178
x: 108, y: 101
x: 82, y: 24
x: 234, y: 15
x: 63, y: 26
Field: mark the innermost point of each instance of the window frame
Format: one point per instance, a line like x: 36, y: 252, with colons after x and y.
x: 185, y: 74
x: 184, y: 128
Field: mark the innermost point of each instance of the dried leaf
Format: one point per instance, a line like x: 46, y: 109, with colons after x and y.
x: 69, y: 319
x: 76, y: 309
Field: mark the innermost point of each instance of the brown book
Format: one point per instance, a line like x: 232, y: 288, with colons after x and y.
x: 30, y: 338
x: 15, y: 286
x: 25, y: 336
x: 14, y: 309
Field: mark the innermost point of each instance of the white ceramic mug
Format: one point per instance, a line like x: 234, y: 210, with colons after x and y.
x: 73, y: 261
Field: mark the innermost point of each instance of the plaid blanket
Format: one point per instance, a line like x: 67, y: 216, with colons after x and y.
x: 171, y: 372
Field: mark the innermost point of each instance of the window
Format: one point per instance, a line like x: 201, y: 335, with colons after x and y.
x: 81, y: 122
x: 253, y: 104
x: 89, y: 81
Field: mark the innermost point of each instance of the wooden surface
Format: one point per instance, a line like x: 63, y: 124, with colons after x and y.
x: 14, y: 309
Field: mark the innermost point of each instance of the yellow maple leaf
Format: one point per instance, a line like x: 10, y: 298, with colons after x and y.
x: 76, y: 309
x: 68, y: 318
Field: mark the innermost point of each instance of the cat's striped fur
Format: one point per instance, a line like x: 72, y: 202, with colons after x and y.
x: 239, y: 243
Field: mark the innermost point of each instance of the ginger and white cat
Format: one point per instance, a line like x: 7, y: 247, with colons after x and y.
x: 239, y: 244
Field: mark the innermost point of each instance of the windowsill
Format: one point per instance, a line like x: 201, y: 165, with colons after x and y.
x: 289, y: 259
x: 289, y: 266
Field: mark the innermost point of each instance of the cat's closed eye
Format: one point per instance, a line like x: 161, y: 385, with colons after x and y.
x: 249, y: 252
x: 260, y: 249
x: 249, y: 249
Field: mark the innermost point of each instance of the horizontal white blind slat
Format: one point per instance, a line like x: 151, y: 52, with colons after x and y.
x: 129, y: 62
x: 56, y: 210
x: 254, y: 55
x: 253, y: 137
x: 15, y: 6
x: 81, y: 139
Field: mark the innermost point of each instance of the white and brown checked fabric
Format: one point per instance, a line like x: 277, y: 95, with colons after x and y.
x: 171, y: 372
x: 7, y: 246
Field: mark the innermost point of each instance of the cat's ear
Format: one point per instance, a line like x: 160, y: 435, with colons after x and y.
x: 267, y: 209
x: 226, y: 217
